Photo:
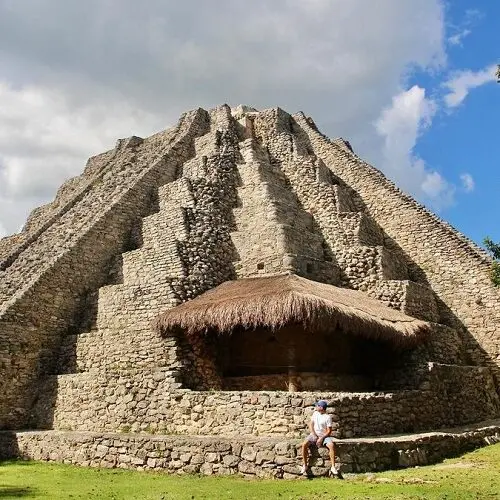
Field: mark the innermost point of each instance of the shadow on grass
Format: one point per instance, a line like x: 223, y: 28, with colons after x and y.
x: 16, y: 462
x: 15, y: 492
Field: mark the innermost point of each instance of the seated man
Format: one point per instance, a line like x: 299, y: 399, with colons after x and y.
x: 320, y: 428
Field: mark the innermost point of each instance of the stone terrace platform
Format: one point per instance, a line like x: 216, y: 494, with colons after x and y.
x: 251, y: 456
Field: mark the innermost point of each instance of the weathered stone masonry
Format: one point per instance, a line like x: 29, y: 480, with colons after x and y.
x: 42, y: 286
x: 230, y: 194
x: 454, y: 267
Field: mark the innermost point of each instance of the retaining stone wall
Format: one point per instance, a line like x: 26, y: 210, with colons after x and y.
x: 266, y: 458
x: 149, y: 402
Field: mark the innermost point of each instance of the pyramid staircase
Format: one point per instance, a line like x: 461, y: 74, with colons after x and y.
x: 352, y: 237
x: 120, y: 353
x: 251, y: 200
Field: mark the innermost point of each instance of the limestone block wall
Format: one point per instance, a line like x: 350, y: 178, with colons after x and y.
x: 454, y: 267
x: 274, y: 234
x: 43, y: 282
x: 251, y: 457
x: 352, y: 237
x: 146, y: 402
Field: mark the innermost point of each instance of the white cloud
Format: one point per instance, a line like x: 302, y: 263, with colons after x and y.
x: 400, y: 125
x: 458, y: 38
x: 467, y: 182
x: 470, y: 20
x: 464, y: 28
x: 463, y: 81
x: 3, y: 231
x: 69, y: 93
x: 438, y: 190
x: 43, y: 141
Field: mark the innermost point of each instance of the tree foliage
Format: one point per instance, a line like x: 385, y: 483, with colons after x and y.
x: 494, y: 250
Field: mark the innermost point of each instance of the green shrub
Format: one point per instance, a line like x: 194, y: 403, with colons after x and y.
x: 494, y: 250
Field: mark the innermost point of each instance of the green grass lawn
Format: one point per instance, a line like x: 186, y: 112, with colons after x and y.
x: 475, y: 475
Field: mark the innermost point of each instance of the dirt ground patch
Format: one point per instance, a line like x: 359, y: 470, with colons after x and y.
x: 461, y: 465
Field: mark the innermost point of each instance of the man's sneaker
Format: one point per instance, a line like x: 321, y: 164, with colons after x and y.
x: 304, y: 470
x: 334, y: 472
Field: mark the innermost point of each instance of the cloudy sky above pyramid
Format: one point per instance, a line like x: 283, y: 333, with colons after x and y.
x: 410, y: 84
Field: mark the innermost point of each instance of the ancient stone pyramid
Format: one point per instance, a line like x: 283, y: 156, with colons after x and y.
x: 227, y: 195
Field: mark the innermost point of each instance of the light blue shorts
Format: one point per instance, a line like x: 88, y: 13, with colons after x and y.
x: 311, y: 439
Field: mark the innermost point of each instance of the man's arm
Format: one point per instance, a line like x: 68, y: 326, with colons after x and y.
x: 320, y: 440
x: 311, y: 428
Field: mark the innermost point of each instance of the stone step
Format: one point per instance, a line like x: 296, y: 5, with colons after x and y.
x: 261, y: 184
x: 253, y: 195
x: 281, y: 248
x: 205, y: 145
x: 133, y: 307
x: 167, y: 224
x: 221, y: 118
x: 115, y: 350
x: 409, y: 297
x: 250, y: 456
x: 359, y: 229
x: 147, y: 265
x: 176, y: 194
x: 253, y: 153
x: 343, y: 199
x: 364, y: 266
x: 283, y: 237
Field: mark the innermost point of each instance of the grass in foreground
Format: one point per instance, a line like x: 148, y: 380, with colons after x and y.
x: 474, y: 475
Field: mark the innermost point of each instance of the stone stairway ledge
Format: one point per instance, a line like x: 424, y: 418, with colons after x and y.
x: 276, y: 457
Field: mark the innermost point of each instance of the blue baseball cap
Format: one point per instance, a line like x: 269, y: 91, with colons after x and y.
x: 322, y: 403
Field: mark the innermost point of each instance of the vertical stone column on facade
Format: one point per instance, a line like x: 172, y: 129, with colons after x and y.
x: 274, y: 233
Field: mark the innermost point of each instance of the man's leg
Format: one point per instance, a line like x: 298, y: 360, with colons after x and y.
x: 333, y: 470
x: 331, y: 450
x: 305, y: 452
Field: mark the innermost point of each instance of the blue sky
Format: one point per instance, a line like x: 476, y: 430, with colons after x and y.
x: 465, y: 138
x: 409, y: 83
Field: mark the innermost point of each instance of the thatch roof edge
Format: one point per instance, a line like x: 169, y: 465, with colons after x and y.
x: 278, y: 304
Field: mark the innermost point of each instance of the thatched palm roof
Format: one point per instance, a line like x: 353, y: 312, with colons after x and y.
x: 276, y: 301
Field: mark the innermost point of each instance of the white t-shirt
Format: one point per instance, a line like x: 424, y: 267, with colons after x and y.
x: 321, y: 422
